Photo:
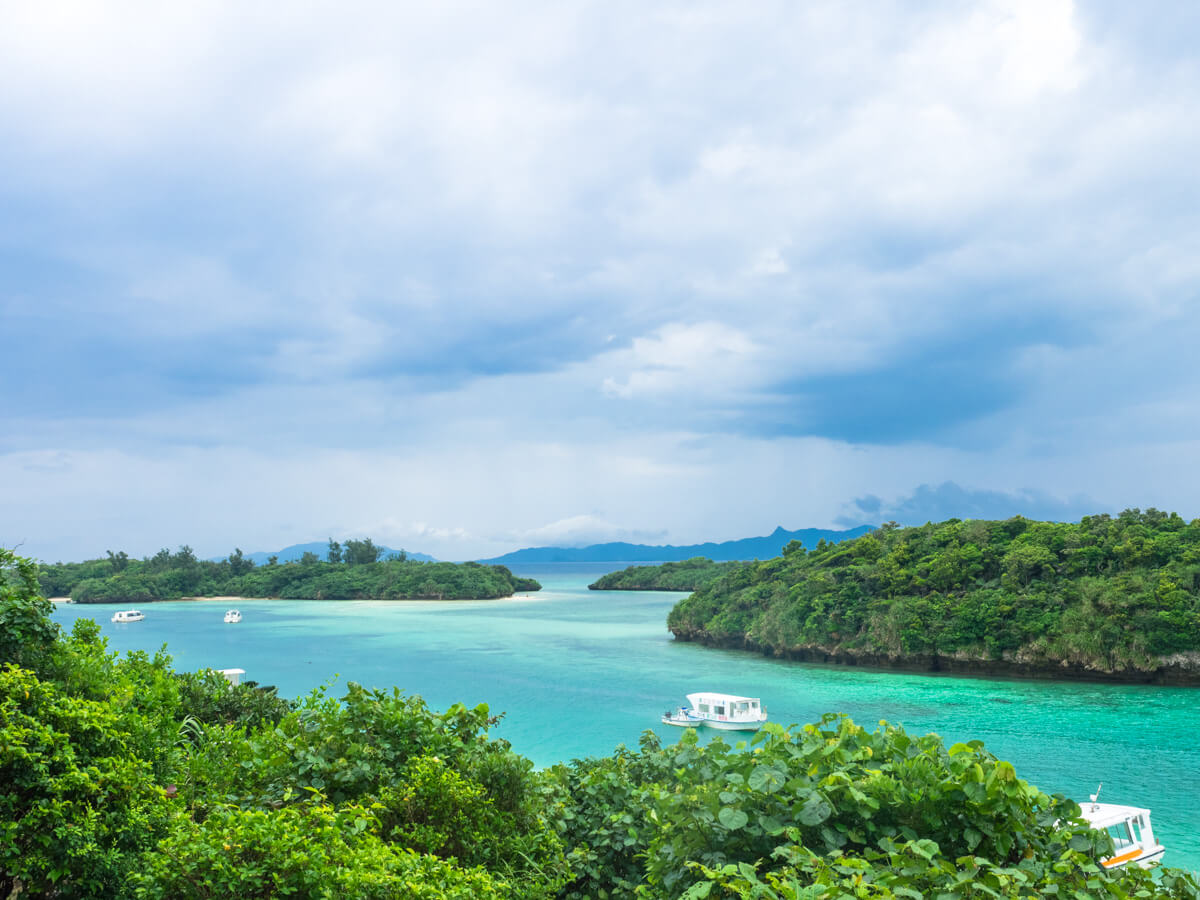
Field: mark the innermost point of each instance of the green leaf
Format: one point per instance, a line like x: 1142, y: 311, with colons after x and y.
x: 732, y: 818
x: 767, y: 778
x: 770, y: 825
x: 816, y: 809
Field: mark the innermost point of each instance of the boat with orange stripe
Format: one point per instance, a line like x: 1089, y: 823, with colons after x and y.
x: 1129, y: 827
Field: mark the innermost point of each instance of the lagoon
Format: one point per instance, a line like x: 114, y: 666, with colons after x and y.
x: 576, y: 672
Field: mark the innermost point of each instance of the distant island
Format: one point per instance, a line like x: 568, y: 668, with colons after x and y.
x: 1105, y: 598
x: 689, y: 575
x: 354, y: 570
x: 619, y: 551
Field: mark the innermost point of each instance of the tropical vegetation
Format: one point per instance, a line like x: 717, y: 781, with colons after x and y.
x: 1117, y: 596
x: 125, y: 779
x: 688, y: 575
x: 351, y: 571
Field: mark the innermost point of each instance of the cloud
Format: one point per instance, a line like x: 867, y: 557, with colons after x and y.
x: 820, y: 251
x: 680, y: 358
x: 950, y: 501
x: 580, y: 531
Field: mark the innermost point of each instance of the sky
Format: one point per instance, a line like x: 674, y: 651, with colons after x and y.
x: 465, y: 278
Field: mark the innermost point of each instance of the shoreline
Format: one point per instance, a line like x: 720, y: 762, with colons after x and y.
x: 1171, y: 673
x: 235, y: 600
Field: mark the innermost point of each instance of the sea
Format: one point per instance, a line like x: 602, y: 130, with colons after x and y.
x: 576, y: 673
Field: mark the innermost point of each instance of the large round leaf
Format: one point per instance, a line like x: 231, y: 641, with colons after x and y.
x: 732, y: 818
x: 767, y: 778
x: 816, y: 809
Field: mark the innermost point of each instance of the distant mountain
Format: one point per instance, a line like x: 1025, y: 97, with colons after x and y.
x: 321, y: 548
x: 619, y: 551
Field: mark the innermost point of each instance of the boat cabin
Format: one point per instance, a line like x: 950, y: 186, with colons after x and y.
x: 128, y: 615
x: 725, y: 706
x: 1129, y: 828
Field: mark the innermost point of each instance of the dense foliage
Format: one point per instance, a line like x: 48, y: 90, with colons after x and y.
x: 124, y: 779
x: 831, y: 810
x: 688, y: 575
x: 353, y: 571
x: 1106, y: 595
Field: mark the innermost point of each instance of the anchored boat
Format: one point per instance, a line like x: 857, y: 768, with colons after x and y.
x: 232, y: 616
x: 725, y: 712
x: 128, y: 615
x: 1129, y: 828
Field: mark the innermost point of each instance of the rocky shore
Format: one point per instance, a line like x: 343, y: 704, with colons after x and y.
x: 1181, y: 669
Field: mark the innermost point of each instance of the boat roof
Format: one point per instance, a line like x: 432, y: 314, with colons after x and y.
x: 719, y: 698
x: 1101, y: 815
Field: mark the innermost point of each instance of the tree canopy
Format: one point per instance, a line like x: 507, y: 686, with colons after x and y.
x: 688, y: 575
x: 354, y: 572
x: 1108, y: 595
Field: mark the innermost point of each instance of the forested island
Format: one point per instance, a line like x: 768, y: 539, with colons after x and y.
x: 688, y: 575
x: 350, y: 571
x: 127, y: 779
x: 1107, y: 597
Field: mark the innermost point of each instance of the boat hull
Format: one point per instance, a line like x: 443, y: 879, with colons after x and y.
x: 1144, y: 857
x: 683, y: 721
x: 732, y: 726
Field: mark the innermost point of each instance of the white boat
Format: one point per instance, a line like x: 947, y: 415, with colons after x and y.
x: 233, y: 615
x: 1129, y: 827
x: 128, y: 615
x: 725, y: 712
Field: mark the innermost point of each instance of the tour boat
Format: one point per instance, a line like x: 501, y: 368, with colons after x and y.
x: 1129, y: 828
x: 722, y: 711
x: 128, y: 615
x: 233, y: 615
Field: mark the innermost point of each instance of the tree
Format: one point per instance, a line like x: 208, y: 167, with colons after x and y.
x: 26, y: 632
x: 359, y: 553
x: 238, y: 564
x: 119, y: 562
x: 335, y: 551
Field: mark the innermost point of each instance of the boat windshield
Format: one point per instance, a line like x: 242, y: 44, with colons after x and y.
x: 1120, y: 836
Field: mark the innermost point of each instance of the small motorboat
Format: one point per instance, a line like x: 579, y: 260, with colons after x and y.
x: 128, y: 615
x: 1129, y: 827
x: 232, y: 615
x: 724, y: 712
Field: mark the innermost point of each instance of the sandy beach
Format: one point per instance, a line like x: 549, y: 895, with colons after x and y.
x: 213, y: 599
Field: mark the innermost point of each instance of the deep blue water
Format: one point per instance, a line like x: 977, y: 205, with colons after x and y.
x: 577, y: 672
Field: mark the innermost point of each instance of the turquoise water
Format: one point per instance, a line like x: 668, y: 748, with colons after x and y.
x: 577, y: 672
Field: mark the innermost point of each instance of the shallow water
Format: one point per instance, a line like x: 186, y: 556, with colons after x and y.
x: 577, y: 672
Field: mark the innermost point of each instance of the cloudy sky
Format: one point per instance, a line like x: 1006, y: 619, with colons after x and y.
x: 469, y: 277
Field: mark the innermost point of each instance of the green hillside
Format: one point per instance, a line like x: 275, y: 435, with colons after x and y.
x: 351, y: 572
x: 1106, y: 597
x: 689, y: 575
